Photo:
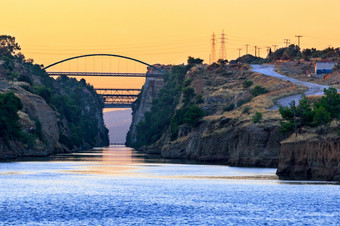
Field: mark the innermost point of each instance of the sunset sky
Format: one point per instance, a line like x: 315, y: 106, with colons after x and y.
x: 167, y: 32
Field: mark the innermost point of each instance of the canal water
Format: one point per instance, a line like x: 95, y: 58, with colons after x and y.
x: 116, y: 185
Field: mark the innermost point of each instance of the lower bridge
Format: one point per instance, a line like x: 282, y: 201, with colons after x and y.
x: 118, y: 98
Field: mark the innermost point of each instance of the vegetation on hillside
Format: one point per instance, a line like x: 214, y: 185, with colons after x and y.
x: 76, y: 102
x: 318, y: 113
x: 9, y: 118
x: 292, y: 52
x: 163, y: 111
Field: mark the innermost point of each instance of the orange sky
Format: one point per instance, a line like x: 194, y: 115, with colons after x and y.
x: 160, y: 31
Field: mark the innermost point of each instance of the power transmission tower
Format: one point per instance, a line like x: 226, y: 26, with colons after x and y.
x: 246, y: 48
x: 275, y: 46
x: 223, y: 53
x: 298, y: 36
x: 213, y: 49
x: 287, y: 42
x: 255, y: 51
x: 239, y: 52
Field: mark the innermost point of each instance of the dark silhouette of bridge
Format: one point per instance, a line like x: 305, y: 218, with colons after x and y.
x: 112, y: 98
x: 118, y: 98
x: 103, y: 74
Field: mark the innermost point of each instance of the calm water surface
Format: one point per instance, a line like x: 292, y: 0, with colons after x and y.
x: 116, y: 185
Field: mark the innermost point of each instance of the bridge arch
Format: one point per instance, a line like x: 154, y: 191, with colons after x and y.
x: 103, y: 54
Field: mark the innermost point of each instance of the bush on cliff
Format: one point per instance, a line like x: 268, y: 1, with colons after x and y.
x: 9, y: 118
x: 257, y: 117
x: 193, y: 115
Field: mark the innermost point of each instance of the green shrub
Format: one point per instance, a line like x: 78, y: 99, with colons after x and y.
x: 246, y: 110
x: 188, y: 94
x: 258, y: 90
x: 193, y: 115
x: 247, y: 83
x: 321, y: 116
x: 9, y: 118
x: 44, y: 92
x: 28, y: 138
x: 187, y: 82
x: 173, y: 130
x: 229, y: 107
x: 257, y: 117
x: 25, y: 78
x: 243, y: 101
x: 199, y: 99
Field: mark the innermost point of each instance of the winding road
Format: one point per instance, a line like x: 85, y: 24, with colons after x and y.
x: 313, y: 89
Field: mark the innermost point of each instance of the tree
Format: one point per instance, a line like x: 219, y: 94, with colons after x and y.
x: 258, y: 90
x: 8, y: 46
x: 322, y: 116
x: 247, y: 83
x: 331, y: 102
x: 194, y: 61
x: 257, y: 117
x: 193, y: 115
x: 291, y: 52
x: 222, y: 62
x: 9, y: 118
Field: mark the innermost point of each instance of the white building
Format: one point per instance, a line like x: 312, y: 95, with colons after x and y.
x: 324, y: 67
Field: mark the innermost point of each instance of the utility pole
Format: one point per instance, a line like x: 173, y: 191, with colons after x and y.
x: 213, y: 49
x: 239, y: 52
x: 246, y: 48
x: 275, y: 46
x: 287, y: 42
x: 268, y: 50
x: 223, y: 53
x: 259, y: 51
x: 255, y: 51
x: 299, y: 36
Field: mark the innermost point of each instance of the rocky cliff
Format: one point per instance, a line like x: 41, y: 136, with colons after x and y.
x: 60, y: 115
x: 316, y: 158
x: 227, y: 133
x: 143, y: 104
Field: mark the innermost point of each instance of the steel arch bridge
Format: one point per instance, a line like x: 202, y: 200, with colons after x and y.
x: 112, y: 98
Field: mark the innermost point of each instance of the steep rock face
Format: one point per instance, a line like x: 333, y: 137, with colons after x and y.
x: 34, y: 108
x: 150, y: 90
x: 43, y: 124
x: 316, y: 159
x: 237, y: 145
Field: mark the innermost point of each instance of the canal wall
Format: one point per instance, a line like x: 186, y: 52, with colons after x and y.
x: 317, y: 158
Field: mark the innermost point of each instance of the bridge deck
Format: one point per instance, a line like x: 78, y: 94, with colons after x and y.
x: 102, y: 74
x: 118, y: 98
